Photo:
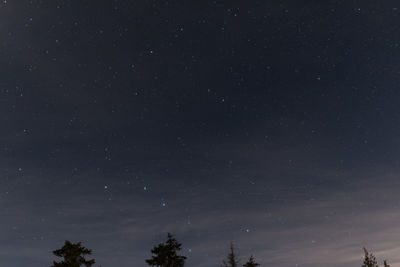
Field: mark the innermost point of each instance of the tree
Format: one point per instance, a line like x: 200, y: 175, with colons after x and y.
x: 231, y: 260
x: 165, y: 254
x: 251, y: 262
x: 73, y: 255
x: 369, y: 260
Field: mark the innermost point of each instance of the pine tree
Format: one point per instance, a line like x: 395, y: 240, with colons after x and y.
x: 231, y: 260
x: 166, y: 254
x: 385, y: 264
x: 73, y: 255
x: 369, y: 260
x: 251, y: 262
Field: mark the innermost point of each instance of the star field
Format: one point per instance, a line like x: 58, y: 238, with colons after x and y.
x: 271, y: 124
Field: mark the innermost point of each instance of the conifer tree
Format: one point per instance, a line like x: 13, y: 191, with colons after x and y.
x: 369, y: 260
x: 73, y: 255
x: 231, y: 260
x: 165, y: 254
x: 251, y: 262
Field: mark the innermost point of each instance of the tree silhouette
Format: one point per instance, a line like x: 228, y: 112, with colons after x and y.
x: 73, y: 255
x: 165, y: 254
x: 251, y: 262
x: 369, y: 260
x: 231, y: 260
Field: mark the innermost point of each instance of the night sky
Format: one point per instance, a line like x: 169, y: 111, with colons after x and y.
x: 272, y: 124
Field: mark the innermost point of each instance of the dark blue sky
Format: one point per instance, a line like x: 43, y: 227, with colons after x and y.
x: 273, y: 124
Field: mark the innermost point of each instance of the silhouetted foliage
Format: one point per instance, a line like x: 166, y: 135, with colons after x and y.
x: 370, y: 260
x: 73, y: 255
x: 166, y: 254
x: 251, y: 262
x: 231, y: 260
